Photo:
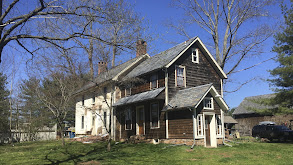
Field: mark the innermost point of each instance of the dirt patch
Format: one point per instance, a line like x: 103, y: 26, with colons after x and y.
x: 93, y: 162
x: 189, y: 150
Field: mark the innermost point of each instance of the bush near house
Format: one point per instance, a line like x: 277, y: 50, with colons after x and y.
x: 51, y: 152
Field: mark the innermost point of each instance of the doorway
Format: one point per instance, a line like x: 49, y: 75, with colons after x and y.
x: 140, y: 120
x: 208, y: 119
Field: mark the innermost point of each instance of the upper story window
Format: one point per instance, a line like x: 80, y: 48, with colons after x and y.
x: 208, y: 103
x: 82, y: 101
x: 194, y: 55
x: 180, y: 78
x: 105, y: 90
x: 127, y: 92
x: 154, y: 81
x: 93, y: 98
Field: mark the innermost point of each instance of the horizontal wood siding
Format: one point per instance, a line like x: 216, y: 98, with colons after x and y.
x: 180, y: 124
x: 145, y: 86
x: 196, y: 74
x: 158, y: 133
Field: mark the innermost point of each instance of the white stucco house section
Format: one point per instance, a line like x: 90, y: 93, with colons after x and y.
x: 92, y: 112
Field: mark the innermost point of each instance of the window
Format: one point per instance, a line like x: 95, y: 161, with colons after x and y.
x: 194, y: 55
x: 82, y: 101
x: 93, y: 121
x: 82, y: 122
x: 199, y: 125
x: 105, y: 119
x: 155, y: 115
x: 219, y: 125
x: 154, y: 81
x: 93, y: 98
x: 180, y: 76
x: 208, y: 103
x: 128, y: 119
x: 128, y: 92
x: 105, y: 90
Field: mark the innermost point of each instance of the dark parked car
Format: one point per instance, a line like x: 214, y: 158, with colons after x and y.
x: 271, y: 132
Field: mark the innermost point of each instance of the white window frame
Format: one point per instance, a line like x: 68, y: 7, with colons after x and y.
x: 82, y: 100
x: 212, y: 103
x: 151, y: 83
x: 200, y: 122
x: 184, y: 75
x: 126, y: 92
x: 82, y: 121
x: 151, y: 122
x: 128, y: 111
x: 196, y: 55
x: 93, y: 99
x: 219, y: 127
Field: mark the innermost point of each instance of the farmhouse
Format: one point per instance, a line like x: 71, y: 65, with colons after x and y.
x: 175, y: 95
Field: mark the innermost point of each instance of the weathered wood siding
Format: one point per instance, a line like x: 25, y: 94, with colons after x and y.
x: 196, y: 74
x: 180, y: 124
x: 247, y: 122
x: 157, y: 133
x: 145, y: 86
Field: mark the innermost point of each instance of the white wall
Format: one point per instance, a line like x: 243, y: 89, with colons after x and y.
x: 90, y: 110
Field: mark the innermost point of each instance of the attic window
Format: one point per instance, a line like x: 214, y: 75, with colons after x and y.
x: 194, y: 55
x: 208, y: 103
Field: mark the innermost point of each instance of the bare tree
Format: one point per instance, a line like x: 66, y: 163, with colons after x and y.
x: 16, y: 24
x: 230, y: 25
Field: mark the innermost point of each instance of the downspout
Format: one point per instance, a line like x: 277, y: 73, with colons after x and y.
x: 194, y: 125
x: 166, y: 99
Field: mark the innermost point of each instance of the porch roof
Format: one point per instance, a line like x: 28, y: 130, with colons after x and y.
x: 229, y: 120
x: 192, y: 97
x: 139, y: 97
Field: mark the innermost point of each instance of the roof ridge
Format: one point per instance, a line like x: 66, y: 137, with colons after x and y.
x: 193, y: 38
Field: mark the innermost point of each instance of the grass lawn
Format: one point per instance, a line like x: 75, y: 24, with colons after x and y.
x: 51, y: 152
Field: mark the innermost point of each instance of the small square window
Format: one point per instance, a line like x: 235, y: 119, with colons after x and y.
x: 208, y: 103
x: 194, y: 55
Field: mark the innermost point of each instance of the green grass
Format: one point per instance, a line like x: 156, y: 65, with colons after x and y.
x: 51, y: 152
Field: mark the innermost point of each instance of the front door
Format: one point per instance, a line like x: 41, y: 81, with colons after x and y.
x: 140, y: 120
x: 208, y: 130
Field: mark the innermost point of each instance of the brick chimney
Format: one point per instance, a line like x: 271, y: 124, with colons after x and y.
x: 141, y: 46
x: 102, y: 67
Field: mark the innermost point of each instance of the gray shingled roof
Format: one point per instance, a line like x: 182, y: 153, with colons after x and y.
x: 229, y: 120
x: 108, y: 75
x: 246, y: 106
x: 159, y: 60
x: 188, y: 97
x: 139, y: 97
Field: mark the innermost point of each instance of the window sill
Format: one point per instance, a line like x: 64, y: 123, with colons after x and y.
x: 155, y: 127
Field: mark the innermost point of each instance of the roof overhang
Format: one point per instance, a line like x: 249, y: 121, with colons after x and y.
x: 216, y: 66
x: 144, y: 96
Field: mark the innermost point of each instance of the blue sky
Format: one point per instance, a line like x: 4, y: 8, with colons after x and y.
x: 158, y: 11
